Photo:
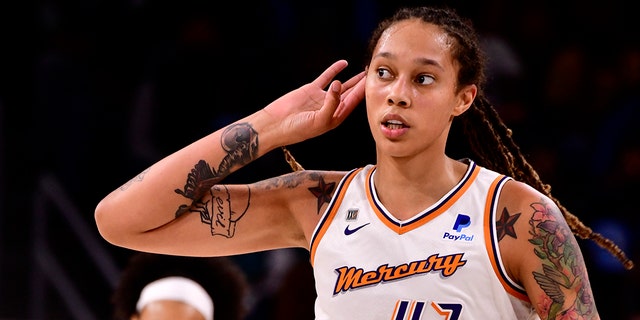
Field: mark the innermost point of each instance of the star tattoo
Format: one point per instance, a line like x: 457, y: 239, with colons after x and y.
x: 504, y: 226
x: 323, y: 192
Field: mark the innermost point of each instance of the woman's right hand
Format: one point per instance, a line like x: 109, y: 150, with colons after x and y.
x: 310, y: 111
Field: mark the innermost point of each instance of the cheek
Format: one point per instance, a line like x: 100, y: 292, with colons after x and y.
x: 372, y: 118
x: 373, y: 92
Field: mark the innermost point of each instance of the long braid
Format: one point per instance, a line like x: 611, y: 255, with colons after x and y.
x: 505, y: 155
x: 295, y: 166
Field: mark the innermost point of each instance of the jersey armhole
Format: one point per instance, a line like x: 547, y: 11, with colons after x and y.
x: 330, y: 212
x: 491, y: 240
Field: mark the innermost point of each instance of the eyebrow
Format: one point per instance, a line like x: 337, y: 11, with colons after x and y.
x: 429, y: 62
x: 420, y: 61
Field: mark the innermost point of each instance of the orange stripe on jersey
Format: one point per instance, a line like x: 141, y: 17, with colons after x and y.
x: 446, y: 314
x: 490, y: 203
x: 401, y: 229
x: 332, y: 211
x: 395, y: 310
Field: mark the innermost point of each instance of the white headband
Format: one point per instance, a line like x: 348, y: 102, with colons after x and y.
x: 177, y: 289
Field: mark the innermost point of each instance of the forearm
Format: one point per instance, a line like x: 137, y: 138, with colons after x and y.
x: 176, y: 184
x: 170, y: 187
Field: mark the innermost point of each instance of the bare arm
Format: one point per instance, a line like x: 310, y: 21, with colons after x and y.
x: 541, y: 252
x: 152, y: 211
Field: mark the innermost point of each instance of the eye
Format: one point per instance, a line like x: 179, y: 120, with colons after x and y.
x: 383, y: 73
x: 425, y: 79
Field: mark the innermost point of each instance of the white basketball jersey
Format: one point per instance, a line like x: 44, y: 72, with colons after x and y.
x: 443, y: 263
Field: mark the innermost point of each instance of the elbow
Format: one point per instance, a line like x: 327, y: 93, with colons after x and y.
x: 106, y: 222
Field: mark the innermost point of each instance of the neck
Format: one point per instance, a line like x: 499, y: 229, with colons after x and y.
x: 407, y: 187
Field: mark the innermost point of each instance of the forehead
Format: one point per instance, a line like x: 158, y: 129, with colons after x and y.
x: 415, y: 39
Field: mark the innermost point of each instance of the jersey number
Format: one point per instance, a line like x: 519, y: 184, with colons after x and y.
x: 413, y: 310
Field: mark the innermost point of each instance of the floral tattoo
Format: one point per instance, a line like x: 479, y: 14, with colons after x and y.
x: 562, y: 272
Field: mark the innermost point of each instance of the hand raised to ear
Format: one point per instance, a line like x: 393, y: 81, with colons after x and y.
x: 310, y: 111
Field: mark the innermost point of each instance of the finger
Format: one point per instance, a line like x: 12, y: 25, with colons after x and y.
x: 331, y: 100
x: 325, y: 78
x: 350, y: 100
x: 349, y: 85
x: 351, y: 82
x: 357, y: 82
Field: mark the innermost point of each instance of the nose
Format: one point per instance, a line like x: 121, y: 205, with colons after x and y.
x: 399, y: 94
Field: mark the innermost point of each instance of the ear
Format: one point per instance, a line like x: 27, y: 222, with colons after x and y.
x: 465, y: 98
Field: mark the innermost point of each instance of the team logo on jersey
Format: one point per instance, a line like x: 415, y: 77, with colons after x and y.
x: 462, y: 221
x: 353, y: 277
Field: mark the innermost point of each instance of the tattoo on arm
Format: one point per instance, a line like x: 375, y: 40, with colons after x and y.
x: 563, y: 273
x: 220, y: 213
x: 137, y: 178
x: 240, y: 141
x: 323, y: 192
x: 224, y: 215
x: 504, y: 226
x: 289, y: 181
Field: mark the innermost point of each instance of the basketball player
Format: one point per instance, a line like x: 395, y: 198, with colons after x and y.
x: 418, y: 234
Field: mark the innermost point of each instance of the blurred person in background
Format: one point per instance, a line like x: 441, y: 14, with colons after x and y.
x: 155, y: 286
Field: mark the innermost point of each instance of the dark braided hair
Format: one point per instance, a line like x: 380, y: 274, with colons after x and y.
x: 490, y: 140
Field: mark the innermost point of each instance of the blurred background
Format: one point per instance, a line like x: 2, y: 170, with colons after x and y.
x: 94, y: 91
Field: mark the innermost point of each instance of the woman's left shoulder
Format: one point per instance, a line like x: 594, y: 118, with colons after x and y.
x: 519, y: 194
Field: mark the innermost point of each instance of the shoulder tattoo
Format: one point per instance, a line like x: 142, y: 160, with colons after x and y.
x: 322, y: 191
x: 505, y: 225
x: 563, y: 274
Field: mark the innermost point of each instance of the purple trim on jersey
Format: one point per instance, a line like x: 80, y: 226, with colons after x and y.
x: 459, y: 186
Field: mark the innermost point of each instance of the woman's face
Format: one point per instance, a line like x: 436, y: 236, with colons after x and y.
x: 168, y: 310
x: 410, y: 89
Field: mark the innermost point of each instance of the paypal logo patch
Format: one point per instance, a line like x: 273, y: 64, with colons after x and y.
x: 460, y: 237
x: 462, y: 221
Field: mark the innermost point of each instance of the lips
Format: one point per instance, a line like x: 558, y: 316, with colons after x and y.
x: 394, y: 124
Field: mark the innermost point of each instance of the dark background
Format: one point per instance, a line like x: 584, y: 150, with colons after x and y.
x: 92, y: 92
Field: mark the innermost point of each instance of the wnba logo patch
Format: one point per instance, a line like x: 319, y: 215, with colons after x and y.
x: 352, y: 214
